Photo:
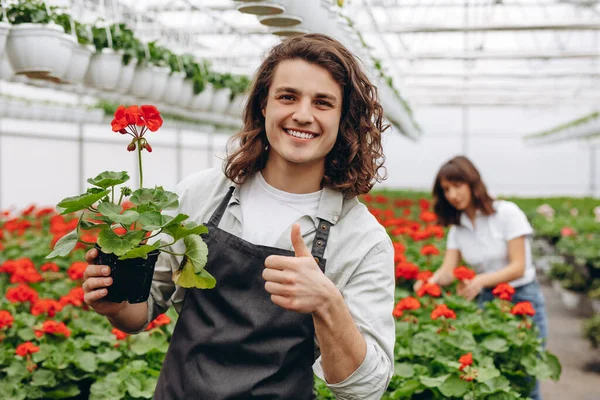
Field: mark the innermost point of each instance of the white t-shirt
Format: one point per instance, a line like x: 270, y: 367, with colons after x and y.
x: 485, y: 245
x: 267, y: 212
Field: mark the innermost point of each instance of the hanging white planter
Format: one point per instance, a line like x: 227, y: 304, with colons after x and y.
x: 158, y: 83
x: 203, y: 100
x: 126, y: 77
x: 236, y: 108
x: 221, y: 101
x: 35, y: 49
x: 6, y: 71
x: 67, y: 44
x: 142, y: 79
x: 80, y: 61
x: 571, y: 300
x: 186, y: 95
x: 104, y: 70
x: 174, y: 87
x: 260, y: 8
x: 4, y: 31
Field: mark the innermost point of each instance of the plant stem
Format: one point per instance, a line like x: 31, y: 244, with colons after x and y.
x: 121, y: 198
x: 112, y: 195
x: 140, y: 165
x: 171, y: 253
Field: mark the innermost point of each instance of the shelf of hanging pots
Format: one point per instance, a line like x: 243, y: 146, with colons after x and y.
x: 174, y: 87
x: 4, y: 31
x: 203, y: 100
x: 260, y: 7
x: 280, y: 20
x: 160, y: 78
x: 104, y: 70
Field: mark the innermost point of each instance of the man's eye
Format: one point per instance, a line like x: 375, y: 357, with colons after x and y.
x: 286, y: 97
x: 324, y: 103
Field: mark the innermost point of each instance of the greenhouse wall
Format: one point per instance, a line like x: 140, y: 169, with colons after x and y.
x: 39, y: 161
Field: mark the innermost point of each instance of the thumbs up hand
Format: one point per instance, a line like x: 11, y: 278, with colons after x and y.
x: 297, y: 283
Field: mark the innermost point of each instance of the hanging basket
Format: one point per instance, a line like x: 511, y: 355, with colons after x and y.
x: 6, y: 71
x: 4, y: 31
x: 236, y: 108
x: 35, y: 50
x: 158, y: 83
x: 280, y: 20
x: 104, y: 70
x: 186, y: 95
x: 68, y: 43
x: 203, y: 100
x: 142, y: 79
x: 174, y: 88
x: 80, y: 61
x: 221, y: 101
x: 260, y: 8
x: 126, y: 77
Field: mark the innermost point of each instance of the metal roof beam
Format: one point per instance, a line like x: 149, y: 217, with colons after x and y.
x: 577, y: 25
x: 506, y: 75
x: 466, y: 56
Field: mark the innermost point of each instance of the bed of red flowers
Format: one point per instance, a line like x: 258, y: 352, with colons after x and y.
x: 53, y: 347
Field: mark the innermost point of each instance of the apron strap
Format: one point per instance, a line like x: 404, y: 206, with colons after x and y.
x: 320, y: 242
x: 216, y: 217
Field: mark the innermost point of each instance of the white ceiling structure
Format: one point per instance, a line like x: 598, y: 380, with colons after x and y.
x: 472, y: 52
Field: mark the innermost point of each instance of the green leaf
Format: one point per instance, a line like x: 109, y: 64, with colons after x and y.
x: 464, y: 340
x: 495, y: 384
x: 110, y: 242
x: 555, y: 367
x: 81, y: 202
x: 485, y: 374
x: 407, y: 389
x: 141, y: 251
x: 454, y: 387
x: 186, y: 277
x: 113, y: 211
x: 145, y: 342
x: 64, y: 245
x: 495, y: 344
x: 196, y: 252
x: 157, y: 198
x: 501, y: 396
x: 26, y: 334
x: 87, y: 361
x: 63, y: 392
x: 108, y: 388
x: 43, y: 377
x: 154, y: 220
x: 433, y: 382
x: 178, y: 231
x: 404, y: 370
x: 140, y: 386
x: 109, y: 356
x: 109, y: 178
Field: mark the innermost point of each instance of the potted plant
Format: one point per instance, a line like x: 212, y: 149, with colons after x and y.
x: 591, y: 330
x: 594, y: 295
x: 82, y: 50
x: 239, y: 86
x: 106, y: 64
x: 125, y: 41
x: 176, y: 79
x: 127, y: 235
x: 574, y: 285
x: 36, y: 46
x: 202, y: 86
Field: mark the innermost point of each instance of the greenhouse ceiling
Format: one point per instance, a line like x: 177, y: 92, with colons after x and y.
x: 438, y: 52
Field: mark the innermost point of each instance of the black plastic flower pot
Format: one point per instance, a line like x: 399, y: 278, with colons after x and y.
x: 132, y: 278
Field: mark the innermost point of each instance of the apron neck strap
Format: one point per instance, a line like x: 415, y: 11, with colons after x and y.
x: 320, y: 242
x: 216, y: 217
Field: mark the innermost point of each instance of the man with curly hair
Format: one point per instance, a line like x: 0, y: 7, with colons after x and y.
x: 305, y: 274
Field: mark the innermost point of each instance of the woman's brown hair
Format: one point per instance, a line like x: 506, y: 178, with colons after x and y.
x: 459, y: 169
x: 357, y: 157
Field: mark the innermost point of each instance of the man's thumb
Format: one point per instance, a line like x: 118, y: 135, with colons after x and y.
x: 299, y: 246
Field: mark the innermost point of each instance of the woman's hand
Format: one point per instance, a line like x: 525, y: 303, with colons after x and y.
x: 470, y: 288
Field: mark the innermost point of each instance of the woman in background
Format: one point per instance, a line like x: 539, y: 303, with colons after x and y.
x: 492, y: 236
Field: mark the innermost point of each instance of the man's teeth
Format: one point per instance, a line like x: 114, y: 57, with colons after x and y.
x: 301, y: 135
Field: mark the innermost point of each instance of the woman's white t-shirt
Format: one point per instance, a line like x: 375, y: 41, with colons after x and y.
x: 485, y: 245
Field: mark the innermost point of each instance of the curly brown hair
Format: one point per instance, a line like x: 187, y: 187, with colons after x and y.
x: 460, y: 169
x: 356, y: 159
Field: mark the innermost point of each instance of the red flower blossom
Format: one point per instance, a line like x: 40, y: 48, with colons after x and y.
x: 465, y: 361
x: 424, y: 275
x: 76, y: 270
x: 161, y: 320
x: 406, y: 212
x: 26, y: 348
x: 567, y: 231
x: 406, y: 270
x: 430, y: 289
x: 523, y: 308
x: 463, y: 273
x: 53, y: 328
x: 429, y: 250
x: 21, y: 294
x: 424, y: 204
x: 120, y: 335
x: 381, y: 199
x: 47, y: 306
x: 504, y: 291
x: 409, y: 303
x: 75, y: 297
x: 428, y: 216
x: 6, y: 319
x: 50, y: 267
x: 442, y: 310
x: 367, y: 198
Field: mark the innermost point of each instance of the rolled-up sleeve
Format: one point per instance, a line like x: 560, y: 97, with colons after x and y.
x: 369, y: 295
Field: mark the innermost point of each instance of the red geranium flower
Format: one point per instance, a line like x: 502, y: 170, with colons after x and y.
x: 462, y: 273
x: 21, y: 294
x: 424, y: 275
x: 151, y: 117
x: 523, y: 308
x: 6, y: 319
x: 76, y: 270
x: 120, y: 335
x: 431, y: 289
x: 504, y: 291
x: 26, y: 348
x: 442, y: 310
x: 429, y: 250
x: 406, y: 270
x: 465, y: 361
